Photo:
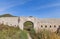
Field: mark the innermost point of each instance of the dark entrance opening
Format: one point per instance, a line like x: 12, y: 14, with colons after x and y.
x: 28, y: 25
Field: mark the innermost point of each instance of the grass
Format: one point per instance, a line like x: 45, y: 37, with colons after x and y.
x: 9, y: 32
x: 44, y: 34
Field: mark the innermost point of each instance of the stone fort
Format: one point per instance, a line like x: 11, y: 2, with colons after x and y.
x: 38, y: 23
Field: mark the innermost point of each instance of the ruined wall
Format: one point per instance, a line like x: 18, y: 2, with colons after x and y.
x: 24, y: 19
x: 39, y: 23
x: 49, y: 24
x: 11, y: 21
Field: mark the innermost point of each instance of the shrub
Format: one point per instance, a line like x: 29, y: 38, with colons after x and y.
x: 10, y: 32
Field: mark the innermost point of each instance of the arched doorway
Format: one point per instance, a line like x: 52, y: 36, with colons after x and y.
x: 28, y: 25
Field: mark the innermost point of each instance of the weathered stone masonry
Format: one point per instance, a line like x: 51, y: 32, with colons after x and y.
x: 39, y: 23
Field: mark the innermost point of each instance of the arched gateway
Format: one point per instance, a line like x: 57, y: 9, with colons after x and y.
x: 28, y: 25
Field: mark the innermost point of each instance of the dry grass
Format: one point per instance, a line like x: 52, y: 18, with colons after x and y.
x: 10, y: 32
x: 44, y: 34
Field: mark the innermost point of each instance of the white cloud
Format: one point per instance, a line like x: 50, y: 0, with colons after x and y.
x: 6, y: 5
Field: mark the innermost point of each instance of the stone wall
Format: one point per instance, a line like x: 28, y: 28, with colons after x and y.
x: 49, y: 24
x: 39, y: 23
x: 11, y: 21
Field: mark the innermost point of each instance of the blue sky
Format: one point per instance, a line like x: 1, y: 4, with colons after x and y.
x: 36, y: 8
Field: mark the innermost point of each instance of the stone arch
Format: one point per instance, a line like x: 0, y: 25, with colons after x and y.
x: 28, y: 25
x: 24, y: 19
